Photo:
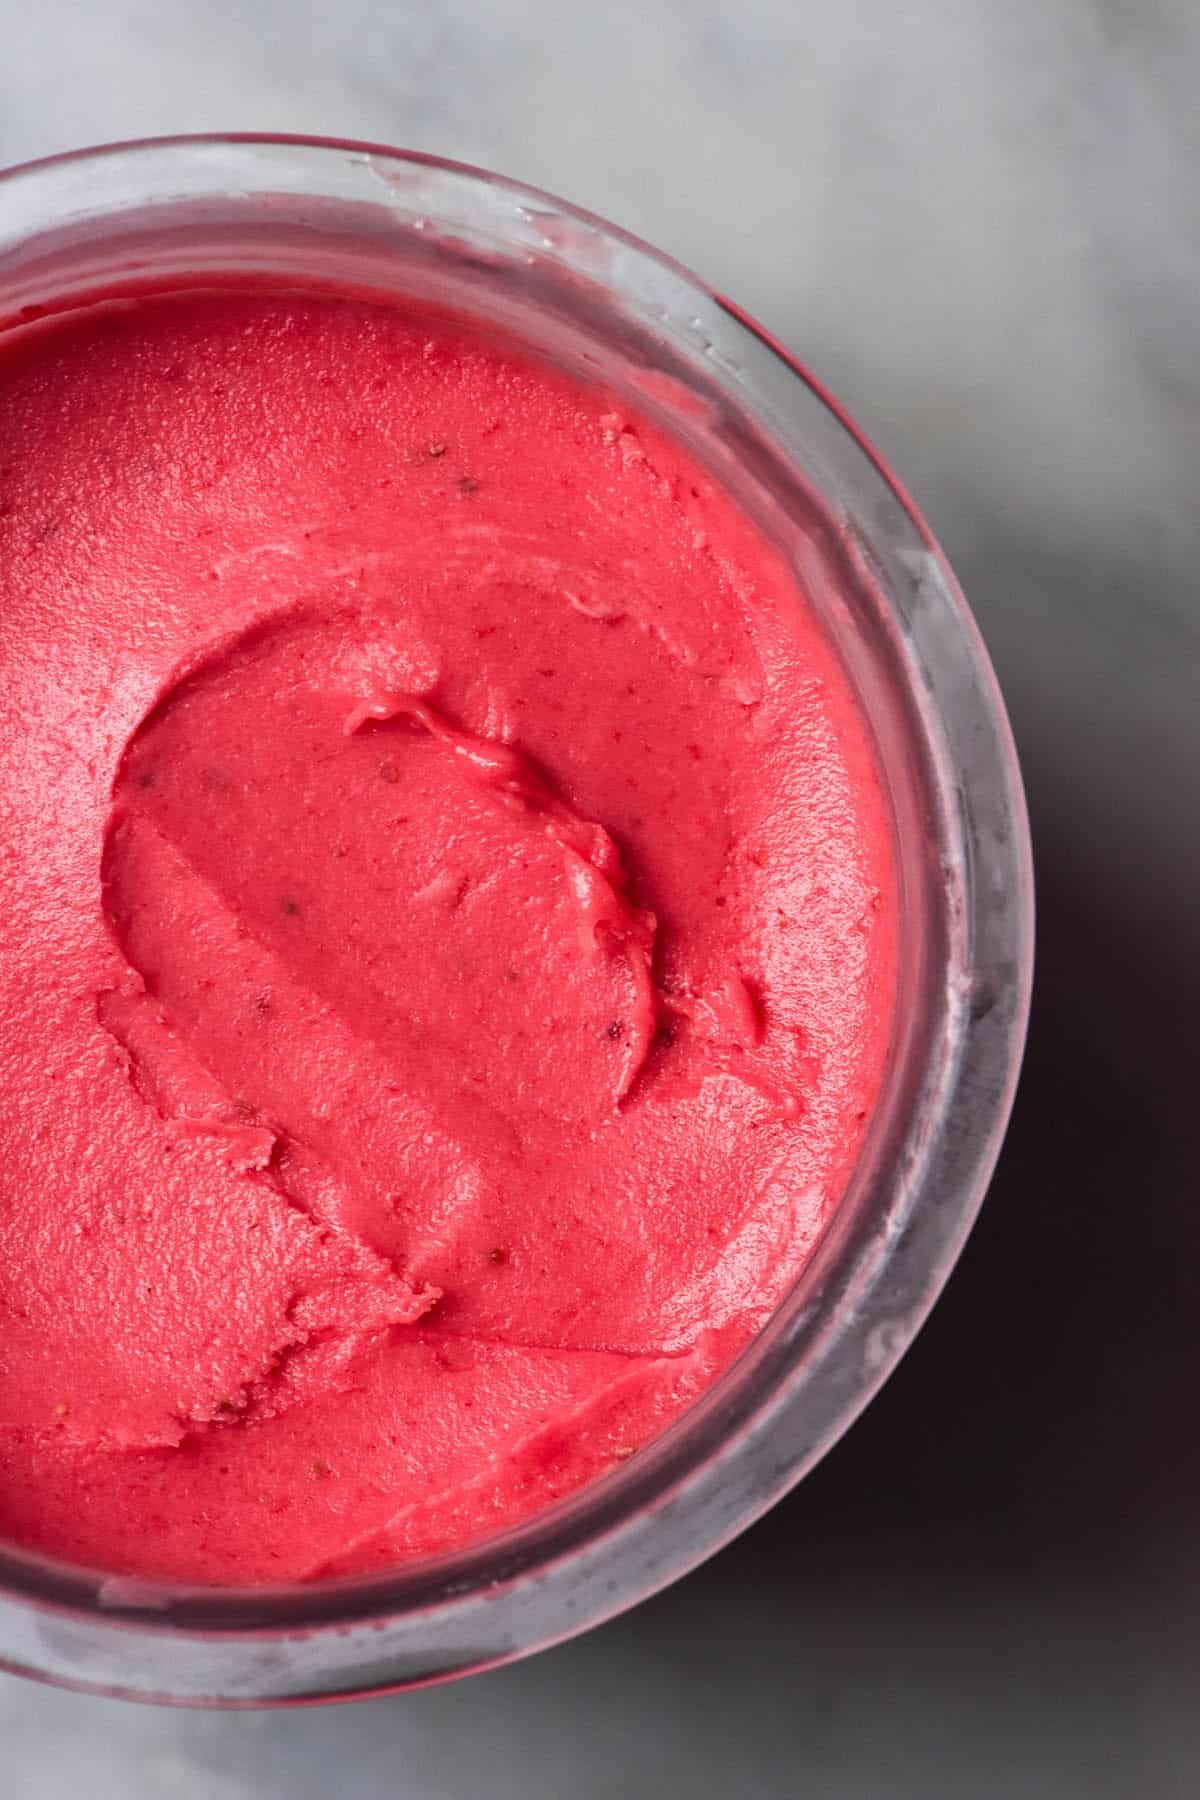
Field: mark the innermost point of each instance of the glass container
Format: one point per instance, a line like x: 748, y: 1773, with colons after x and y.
x: 609, y: 308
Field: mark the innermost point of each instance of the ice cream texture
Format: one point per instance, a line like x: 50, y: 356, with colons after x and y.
x: 447, y: 951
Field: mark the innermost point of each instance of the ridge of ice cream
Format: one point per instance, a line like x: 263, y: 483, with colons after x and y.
x: 448, y: 939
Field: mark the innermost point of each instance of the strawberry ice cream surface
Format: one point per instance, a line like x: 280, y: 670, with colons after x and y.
x: 448, y: 940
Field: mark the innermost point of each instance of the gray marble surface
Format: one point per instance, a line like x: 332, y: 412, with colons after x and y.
x: 980, y: 223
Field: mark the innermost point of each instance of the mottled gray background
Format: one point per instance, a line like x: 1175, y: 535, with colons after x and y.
x: 980, y: 221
